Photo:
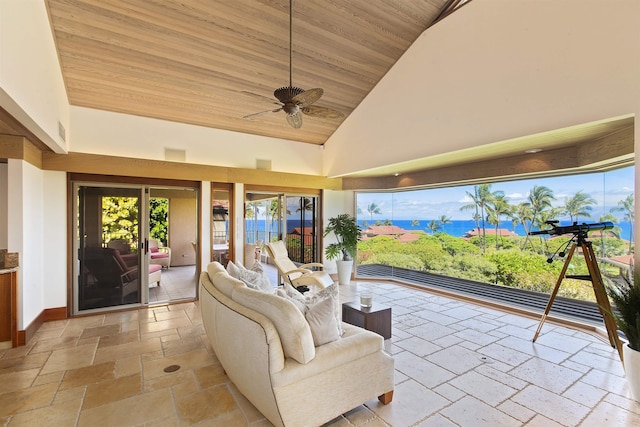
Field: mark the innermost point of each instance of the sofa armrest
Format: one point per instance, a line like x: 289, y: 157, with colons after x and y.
x: 354, y: 344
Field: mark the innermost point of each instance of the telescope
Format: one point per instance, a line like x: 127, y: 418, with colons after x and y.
x: 574, y: 228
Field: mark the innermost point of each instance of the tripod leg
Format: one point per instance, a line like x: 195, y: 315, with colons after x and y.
x: 601, y: 298
x: 555, y: 291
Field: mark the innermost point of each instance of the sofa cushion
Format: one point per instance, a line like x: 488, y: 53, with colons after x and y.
x: 322, y: 322
x: 257, y: 280
x: 221, y: 280
x: 300, y: 304
x: 330, y: 292
x: 293, y: 329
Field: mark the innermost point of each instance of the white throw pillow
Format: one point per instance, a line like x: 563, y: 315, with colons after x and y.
x: 301, y: 306
x: 322, y: 322
x: 330, y: 292
x: 257, y: 280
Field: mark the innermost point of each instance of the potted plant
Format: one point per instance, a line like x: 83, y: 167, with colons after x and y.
x: 625, y: 294
x: 347, y: 233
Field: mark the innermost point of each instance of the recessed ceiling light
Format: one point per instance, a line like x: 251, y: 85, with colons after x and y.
x: 397, y: 174
x: 533, y: 150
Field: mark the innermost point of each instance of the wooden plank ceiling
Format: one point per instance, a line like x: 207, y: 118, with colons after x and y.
x: 211, y: 62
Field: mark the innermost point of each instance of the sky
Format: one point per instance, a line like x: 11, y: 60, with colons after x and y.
x: 607, y: 188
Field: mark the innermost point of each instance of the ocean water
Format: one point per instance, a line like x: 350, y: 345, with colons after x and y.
x: 459, y: 228
x: 456, y: 228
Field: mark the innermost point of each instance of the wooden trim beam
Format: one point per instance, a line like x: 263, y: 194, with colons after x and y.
x: 125, y: 166
x: 19, y: 147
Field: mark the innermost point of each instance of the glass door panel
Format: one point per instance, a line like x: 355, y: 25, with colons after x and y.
x: 221, y: 228
x: 108, y: 248
x: 302, y: 228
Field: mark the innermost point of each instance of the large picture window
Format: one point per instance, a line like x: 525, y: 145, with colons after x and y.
x: 481, y: 232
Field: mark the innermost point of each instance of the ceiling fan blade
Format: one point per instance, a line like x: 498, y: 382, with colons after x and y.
x: 295, y: 120
x: 322, y: 112
x: 262, y: 97
x: 262, y: 112
x: 307, y: 97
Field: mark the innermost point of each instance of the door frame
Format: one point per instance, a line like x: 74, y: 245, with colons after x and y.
x: 121, y: 181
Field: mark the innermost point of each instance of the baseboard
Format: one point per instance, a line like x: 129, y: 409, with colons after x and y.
x: 46, y: 315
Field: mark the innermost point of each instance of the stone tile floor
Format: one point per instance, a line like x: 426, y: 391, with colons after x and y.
x: 457, y: 364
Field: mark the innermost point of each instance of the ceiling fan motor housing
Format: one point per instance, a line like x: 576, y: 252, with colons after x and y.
x: 285, y: 94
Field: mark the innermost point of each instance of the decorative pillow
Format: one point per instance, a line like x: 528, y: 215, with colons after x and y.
x: 293, y: 329
x: 253, y: 279
x: 322, y: 322
x: 294, y: 294
x: 301, y: 306
x: 330, y: 292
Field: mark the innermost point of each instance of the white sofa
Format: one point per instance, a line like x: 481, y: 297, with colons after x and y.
x: 266, y: 348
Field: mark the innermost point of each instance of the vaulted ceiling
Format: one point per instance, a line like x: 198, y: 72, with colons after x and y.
x: 212, y: 62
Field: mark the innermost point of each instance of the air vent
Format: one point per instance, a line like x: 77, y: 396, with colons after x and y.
x: 174, y: 155
x: 263, y: 164
x: 62, y: 132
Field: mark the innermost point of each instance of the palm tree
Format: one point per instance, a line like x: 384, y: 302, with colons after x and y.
x: 522, y: 214
x: 444, y: 220
x: 579, y: 205
x: 539, y: 199
x: 415, y: 223
x: 433, y: 226
x: 616, y: 230
x: 498, y: 207
x: 373, y: 209
x: 627, y: 206
x: 482, y: 196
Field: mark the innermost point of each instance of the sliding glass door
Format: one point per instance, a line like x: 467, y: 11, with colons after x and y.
x: 294, y: 218
x: 133, y: 244
x: 108, y: 247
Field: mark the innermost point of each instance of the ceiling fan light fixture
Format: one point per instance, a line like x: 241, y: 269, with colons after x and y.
x: 295, y: 120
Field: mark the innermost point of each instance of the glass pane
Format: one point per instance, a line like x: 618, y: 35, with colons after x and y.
x: 220, y: 226
x: 108, y: 256
x: 302, y: 233
x: 481, y: 232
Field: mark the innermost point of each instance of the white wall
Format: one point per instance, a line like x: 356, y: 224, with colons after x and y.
x: 3, y: 205
x: 102, y: 132
x: 25, y: 236
x: 335, y: 203
x: 31, y: 85
x: 54, y: 217
x: 492, y: 71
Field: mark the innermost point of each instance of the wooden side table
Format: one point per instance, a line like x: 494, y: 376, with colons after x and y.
x: 376, y: 318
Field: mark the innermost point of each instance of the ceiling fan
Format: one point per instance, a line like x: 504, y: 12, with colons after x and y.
x: 296, y: 102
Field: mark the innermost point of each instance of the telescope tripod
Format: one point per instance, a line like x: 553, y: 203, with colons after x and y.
x: 598, y: 288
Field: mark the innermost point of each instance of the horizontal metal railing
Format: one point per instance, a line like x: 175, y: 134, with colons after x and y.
x: 586, y: 311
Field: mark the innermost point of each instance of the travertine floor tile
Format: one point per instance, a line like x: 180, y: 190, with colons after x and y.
x: 552, y: 406
x: 412, y: 402
x: 205, y: 405
x: 27, y: 399
x: 57, y: 415
x: 457, y: 364
x: 470, y: 411
x: 19, y: 380
x: 135, y: 410
x: 112, y: 390
x: 70, y: 358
